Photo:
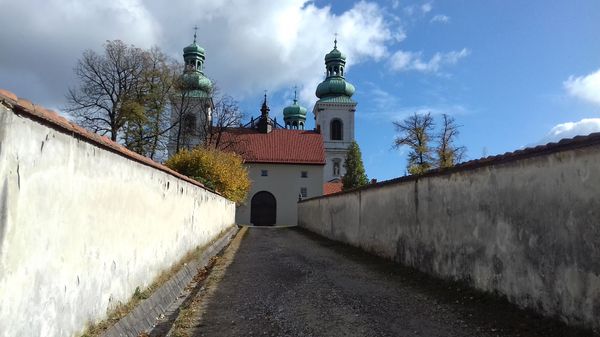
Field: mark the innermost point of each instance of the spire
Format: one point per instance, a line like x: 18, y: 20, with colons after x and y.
x: 295, y: 94
x: 335, y: 84
x: 265, y: 108
x: 265, y: 124
x: 193, y: 73
x: 294, y: 115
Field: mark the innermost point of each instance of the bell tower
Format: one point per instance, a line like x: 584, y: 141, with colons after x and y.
x: 294, y: 115
x: 334, y: 114
x: 192, y: 106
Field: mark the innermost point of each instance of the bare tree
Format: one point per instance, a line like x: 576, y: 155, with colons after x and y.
x: 448, y: 154
x: 416, y: 133
x: 103, y: 102
x: 147, y: 132
x: 225, y: 115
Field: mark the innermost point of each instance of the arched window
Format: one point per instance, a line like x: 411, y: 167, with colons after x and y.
x: 336, y: 129
x: 189, y: 123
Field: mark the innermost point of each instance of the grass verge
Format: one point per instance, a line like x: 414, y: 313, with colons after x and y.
x: 123, y: 309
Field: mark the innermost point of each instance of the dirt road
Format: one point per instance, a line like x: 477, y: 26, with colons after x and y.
x: 288, y: 282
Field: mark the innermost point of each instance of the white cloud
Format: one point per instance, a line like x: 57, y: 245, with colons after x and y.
x: 571, y: 129
x: 426, y: 8
x: 441, y: 18
x: 42, y: 40
x: 406, y: 60
x: 245, y: 52
x: 586, y: 87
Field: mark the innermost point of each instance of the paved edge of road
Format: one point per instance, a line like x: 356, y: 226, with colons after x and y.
x: 267, y: 227
x: 144, y: 316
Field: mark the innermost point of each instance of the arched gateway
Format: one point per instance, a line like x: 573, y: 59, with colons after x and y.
x: 263, y: 209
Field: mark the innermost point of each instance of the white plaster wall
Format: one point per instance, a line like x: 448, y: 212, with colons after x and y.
x: 528, y: 229
x: 82, y: 227
x: 284, y: 182
x: 325, y: 113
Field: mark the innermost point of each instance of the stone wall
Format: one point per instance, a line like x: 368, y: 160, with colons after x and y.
x: 84, y: 222
x: 524, y: 224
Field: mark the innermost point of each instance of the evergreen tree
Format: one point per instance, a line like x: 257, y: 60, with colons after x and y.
x: 355, y: 171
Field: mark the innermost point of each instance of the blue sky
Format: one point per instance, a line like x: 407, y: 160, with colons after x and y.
x: 507, y: 92
x: 513, y: 73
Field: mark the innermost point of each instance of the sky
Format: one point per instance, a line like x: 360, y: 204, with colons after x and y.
x: 512, y: 73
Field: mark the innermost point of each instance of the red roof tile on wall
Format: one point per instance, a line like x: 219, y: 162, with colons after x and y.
x: 330, y: 188
x: 281, y: 146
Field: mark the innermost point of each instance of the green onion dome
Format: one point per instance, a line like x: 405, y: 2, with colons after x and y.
x: 294, y: 112
x: 334, y: 86
x: 196, y: 82
x: 335, y: 55
x: 193, y: 48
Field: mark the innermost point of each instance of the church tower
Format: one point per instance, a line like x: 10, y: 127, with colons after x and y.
x: 334, y: 114
x: 294, y: 115
x: 192, y: 108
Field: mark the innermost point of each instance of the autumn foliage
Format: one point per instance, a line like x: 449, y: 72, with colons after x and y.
x: 221, y: 171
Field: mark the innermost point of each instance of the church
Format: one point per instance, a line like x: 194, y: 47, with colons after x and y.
x: 285, y: 162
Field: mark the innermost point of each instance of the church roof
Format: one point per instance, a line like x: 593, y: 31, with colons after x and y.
x: 338, y: 99
x: 280, y: 146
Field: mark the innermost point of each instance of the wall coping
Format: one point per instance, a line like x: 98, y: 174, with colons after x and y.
x: 566, y: 144
x: 50, y: 118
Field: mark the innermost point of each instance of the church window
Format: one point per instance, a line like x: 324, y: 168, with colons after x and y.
x: 264, y: 173
x: 336, y: 129
x: 304, y: 174
x: 189, y: 123
x: 303, y: 192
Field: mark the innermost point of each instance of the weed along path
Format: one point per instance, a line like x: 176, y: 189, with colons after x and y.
x: 288, y: 282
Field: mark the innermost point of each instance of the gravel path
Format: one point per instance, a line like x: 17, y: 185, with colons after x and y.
x: 288, y: 282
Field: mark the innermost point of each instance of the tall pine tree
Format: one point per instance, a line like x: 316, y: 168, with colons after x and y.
x: 355, y: 171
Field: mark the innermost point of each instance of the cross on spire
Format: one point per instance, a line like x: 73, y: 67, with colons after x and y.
x: 295, y: 94
x: 195, y: 30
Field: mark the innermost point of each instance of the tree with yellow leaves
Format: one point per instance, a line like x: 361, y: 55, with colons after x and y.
x: 221, y: 171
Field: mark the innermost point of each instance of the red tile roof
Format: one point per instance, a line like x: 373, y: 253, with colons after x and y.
x: 280, y: 146
x: 23, y: 107
x: 330, y: 188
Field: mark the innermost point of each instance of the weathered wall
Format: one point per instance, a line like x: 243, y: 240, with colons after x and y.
x: 81, y: 226
x: 526, y: 225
